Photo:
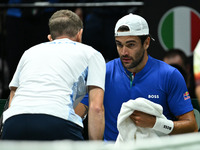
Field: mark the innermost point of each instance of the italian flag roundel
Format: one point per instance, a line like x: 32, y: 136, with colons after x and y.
x: 180, y: 28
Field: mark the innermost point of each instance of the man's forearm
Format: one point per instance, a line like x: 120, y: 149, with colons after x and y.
x: 96, y: 123
x: 185, y: 124
x: 96, y: 120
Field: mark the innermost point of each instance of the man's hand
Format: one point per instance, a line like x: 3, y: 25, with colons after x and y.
x: 142, y: 119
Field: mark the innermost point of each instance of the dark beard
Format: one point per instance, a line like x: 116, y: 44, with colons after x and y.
x: 134, y: 63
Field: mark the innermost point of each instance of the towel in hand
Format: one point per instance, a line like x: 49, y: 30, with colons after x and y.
x: 128, y: 131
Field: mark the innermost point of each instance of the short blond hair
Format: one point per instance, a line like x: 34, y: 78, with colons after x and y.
x: 64, y: 22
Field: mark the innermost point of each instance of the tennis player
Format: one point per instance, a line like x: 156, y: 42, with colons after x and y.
x: 136, y: 74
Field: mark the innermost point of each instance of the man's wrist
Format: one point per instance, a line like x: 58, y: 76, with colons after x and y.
x: 163, y: 125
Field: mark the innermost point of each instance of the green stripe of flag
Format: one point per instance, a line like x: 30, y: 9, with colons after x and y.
x: 167, y: 31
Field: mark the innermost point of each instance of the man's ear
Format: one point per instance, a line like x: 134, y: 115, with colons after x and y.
x: 147, y: 42
x: 79, y: 36
x: 49, y: 37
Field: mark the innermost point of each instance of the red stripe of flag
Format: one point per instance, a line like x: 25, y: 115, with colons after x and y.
x: 195, y: 30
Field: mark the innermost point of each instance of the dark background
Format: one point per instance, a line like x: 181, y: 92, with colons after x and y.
x: 153, y: 10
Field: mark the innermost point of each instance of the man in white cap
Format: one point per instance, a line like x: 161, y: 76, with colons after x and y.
x: 136, y: 74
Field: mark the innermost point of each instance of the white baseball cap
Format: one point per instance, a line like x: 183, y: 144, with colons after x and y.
x: 136, y: 24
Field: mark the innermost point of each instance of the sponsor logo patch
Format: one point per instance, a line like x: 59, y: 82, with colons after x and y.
x: 153, y: 96
x: 186, y: 95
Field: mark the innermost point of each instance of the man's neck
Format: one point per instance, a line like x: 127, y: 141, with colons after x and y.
x: 140, y: 66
